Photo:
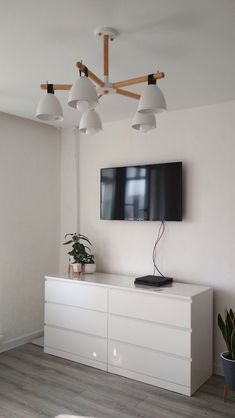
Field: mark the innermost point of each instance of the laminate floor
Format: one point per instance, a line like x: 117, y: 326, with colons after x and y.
x: 37, y: 385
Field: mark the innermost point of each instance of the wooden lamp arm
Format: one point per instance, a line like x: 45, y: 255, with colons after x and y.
x: 128, y: 94
x: 91, y: 75
x: 81, y: 67
x: 57, y: 86
x: 138, y: 80
x: 106, y: 55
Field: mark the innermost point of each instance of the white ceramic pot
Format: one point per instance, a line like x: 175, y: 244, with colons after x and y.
x: 77, y: 267
x: 71, y: 259
x: 89, y: 268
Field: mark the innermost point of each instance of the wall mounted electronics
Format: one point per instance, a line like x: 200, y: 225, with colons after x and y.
x: 150, y: 192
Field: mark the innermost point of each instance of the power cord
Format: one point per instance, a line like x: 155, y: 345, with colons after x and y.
x: 161, y: 231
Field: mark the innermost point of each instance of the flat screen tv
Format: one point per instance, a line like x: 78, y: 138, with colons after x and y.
x: 142, y: 192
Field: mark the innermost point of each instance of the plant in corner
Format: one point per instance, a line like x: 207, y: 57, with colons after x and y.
x: 227, y: 328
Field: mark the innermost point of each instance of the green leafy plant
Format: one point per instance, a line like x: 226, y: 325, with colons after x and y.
x: 90, y: 259
x: 227, y: 328
x: 79, y: 249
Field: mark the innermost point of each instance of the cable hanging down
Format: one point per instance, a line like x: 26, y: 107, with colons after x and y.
x: 160, y: 234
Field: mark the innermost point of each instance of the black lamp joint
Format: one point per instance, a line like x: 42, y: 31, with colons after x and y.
x: 50, y: 88
x: 151, y: 79
x: 86, y: 71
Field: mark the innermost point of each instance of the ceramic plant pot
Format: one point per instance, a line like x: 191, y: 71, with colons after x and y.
x: 89, y: 268
x: 229, y: 370
x: 71, y: 259
x: 77, y: 267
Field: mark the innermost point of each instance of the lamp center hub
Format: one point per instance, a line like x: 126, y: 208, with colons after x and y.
x: 106, y: 89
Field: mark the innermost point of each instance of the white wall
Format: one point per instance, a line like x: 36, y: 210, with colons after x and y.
x: 201, y: 248
x: 29, y: 222
x: 69, y: 190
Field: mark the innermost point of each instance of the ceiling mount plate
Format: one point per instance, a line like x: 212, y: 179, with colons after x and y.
x: 111, y: 32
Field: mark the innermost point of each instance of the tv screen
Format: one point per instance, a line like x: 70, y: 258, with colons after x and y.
x: 142, y: 192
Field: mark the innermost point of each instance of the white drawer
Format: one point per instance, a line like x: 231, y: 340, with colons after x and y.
x: 149, y: 363
x: 77, y: 319
x: 156, y: 308
x: 76, y: 294
x: 150, y: 335
x: 87, y: 346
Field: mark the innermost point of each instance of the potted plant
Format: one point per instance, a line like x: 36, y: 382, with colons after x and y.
x: 89, y: 264
x: 227, y: 328
x: 78, y: 252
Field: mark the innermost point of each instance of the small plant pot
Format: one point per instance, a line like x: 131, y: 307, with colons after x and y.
x: 71, y: 259
x: 89, y: 268
x: 77, y: 267
x: 229, y: 370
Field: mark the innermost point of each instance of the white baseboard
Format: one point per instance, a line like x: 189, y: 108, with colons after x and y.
x: 16, y: 342
x: 39, y: 341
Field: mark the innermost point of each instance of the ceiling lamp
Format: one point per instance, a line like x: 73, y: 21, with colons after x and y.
x: 143, y: 122
x: 152, y: 99
x: 83, y: 94
x: 90, y: 122
x: 49, y: 107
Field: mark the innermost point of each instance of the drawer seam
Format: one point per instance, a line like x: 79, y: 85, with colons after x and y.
x: 74, y: 331
x: 162, y: 324
x: 75, y: 306
x: 164, y: 353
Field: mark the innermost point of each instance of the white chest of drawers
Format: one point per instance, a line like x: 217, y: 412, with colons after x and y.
x: 158, y: 336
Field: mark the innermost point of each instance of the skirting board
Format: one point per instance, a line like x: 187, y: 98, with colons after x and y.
x: 16, y: 342
x: 39, y: 341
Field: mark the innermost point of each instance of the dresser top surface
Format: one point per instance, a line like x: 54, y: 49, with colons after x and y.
x: 176, y: 289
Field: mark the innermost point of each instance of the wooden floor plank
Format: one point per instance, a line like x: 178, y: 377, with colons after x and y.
x: 37, y: 385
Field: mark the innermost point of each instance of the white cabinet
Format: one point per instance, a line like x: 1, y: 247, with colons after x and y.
x: 76, y: 321
x: 149, y: 363
x: 83, y: 296
x: 86, y: 347
x: 150, y: 307
x: 158, y: 336
x: 150, y: 335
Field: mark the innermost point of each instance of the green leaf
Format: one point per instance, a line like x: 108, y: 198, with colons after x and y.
x: 68, y: 235
x: 68, y: 242
x: 229, y: 329
x: 233, y: 345
x: 231, y: 313
x: 84, y: 238
x: 222, y: 327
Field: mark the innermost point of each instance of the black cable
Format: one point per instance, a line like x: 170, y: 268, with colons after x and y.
x: 160, y: 234
x: 161, y: 231
x: 154, y: 249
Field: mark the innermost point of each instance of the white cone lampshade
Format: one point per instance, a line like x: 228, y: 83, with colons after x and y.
x: 90, y: 122
x: 49, y: 108
x: 83, y: 94
x: 152, y: 100
x: 143, y: 122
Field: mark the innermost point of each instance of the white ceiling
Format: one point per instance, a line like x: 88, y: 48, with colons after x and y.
x: 192, y: 41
